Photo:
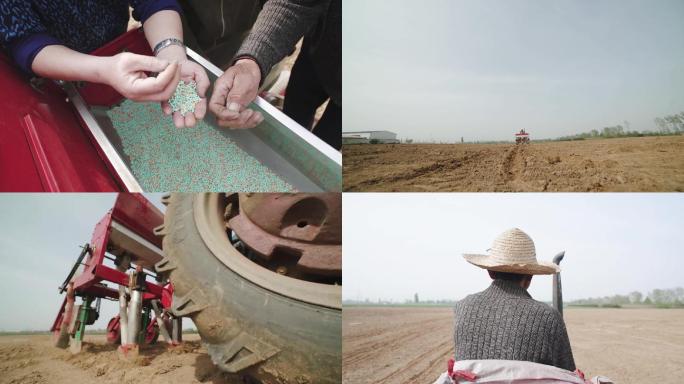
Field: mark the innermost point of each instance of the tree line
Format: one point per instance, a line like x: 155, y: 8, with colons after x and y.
x: 666, y: 298
x: 658, y: 297
x: 668, y: 125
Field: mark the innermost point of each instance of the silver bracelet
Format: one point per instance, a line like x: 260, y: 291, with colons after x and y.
x: 167, y: 43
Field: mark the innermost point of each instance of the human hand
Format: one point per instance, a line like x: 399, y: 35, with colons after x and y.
x: 233, y: 91
x: 127, y: 73
x: 190, y: 71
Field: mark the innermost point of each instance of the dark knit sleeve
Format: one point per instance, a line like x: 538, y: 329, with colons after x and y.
x: 144, y: 9
x: 281, y: 23
x: 562, y: 352
x: 22, y: 33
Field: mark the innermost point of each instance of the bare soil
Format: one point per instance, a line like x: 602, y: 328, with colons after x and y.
x: 33, y: 360
x: 627, y: 164
x: 412, y: 345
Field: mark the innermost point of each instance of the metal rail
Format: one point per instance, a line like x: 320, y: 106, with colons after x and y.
x: 282, y: 118
x: 115, y: 161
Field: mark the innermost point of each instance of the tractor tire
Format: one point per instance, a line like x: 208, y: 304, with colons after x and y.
x: 253, y: 321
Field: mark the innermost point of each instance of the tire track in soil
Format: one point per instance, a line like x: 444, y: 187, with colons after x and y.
x: 396, y: 347
x: 435, y: 355
x: 514, y: 164
x: 389, y: 341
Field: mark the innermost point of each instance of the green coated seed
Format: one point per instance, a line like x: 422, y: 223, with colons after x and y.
x: 185, y: 98
x: 202, y: 158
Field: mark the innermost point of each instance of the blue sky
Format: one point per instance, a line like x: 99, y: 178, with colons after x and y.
x: 40, y: 236
x: 614, y: 243
x: 483, y: 69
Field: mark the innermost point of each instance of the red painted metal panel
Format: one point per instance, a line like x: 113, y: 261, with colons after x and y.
x: 136, y: 213
x: 47, y: 177
x: 98, y: 245
x: 139, y: 215
x: 60, y: 314
x: 103, y: 272
x: 53, y: 129
x: 102, y: 291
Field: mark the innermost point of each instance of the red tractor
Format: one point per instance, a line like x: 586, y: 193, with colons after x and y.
x: 522, y: 137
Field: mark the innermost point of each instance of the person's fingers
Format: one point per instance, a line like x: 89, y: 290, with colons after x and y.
x: 236, y: 122
x: 240, y: 122
x: 246, y: 115
x: 191, y: 71
x: 166, y: 108
x: 190, y: 120
x: 255, y: 120
x: 157, y: 88
x: 170, y: 89
x: 147, y: 63
x: 201, y: 109
x: 217, y: 103
x: 202, y: 81
x: 178, y: 120
x: 231, y: 124
x: 241, y: 94
x: 166, y: 93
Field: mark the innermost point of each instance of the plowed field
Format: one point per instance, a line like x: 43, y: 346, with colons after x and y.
x: 629, y: 164
x: 31, y: 359
x: 412, y: 345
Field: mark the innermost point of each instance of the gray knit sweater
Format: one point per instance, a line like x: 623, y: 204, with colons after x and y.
x: 281, y: 23
x: 503, y: 322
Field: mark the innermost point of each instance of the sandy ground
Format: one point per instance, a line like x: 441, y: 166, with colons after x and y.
x: 412, y: 345
x: 629, y: 164
x: 33, y: 360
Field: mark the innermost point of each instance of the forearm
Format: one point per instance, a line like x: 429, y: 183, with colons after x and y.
x: 61, y: 63
x: 164, y: 25
x: 280, y: 24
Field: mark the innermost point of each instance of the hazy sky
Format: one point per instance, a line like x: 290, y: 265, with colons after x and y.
x: 40, y: 239
x: 398, y: 244
x: 483, y: 69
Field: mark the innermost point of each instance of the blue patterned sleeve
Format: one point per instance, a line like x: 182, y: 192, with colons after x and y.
x: 22, y: 33
x: 143, y: 9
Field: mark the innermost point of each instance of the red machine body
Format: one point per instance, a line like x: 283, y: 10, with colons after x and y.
x: 44, y: 145
x: 128, y: 226
x: 522, y: 137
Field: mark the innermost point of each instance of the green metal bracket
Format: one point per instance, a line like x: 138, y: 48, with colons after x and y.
x: 145, y: 323
x: 83, y: 317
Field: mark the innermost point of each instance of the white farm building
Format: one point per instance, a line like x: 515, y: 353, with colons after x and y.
x: 365, y: 137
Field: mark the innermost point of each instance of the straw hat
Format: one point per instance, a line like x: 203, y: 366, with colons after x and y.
x: 513, y: 251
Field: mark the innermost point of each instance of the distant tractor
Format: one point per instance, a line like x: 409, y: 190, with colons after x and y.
x: 522, y: 137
